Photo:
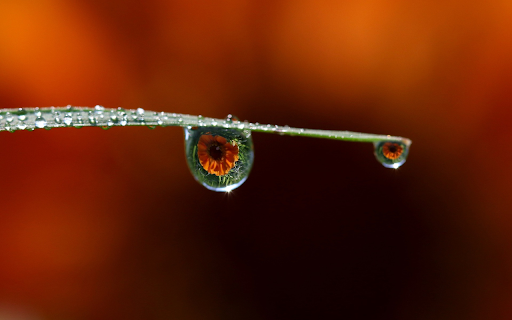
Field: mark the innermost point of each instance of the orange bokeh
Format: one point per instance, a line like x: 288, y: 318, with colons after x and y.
x: 110, y: 224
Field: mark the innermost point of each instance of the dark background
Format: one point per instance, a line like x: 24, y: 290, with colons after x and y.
x: 111, y: 225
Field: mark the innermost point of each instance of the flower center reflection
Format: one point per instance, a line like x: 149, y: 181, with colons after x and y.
x: 216, y: 155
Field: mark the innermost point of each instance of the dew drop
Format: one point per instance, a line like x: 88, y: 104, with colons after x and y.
x: 230, y: 118
x: 68, y: 119
x: 124, y: 120
x: 57, y: 118
x: 21, y: 125
x: 22, y: 114
x: 8, y: 117
x: 40, y: 122
x: 392, y: 154
x: 79, y: 122
x: 213, y: 148
x: 92, y: 119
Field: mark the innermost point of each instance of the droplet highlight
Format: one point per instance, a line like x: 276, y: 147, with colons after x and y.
x: 220, y: 159
x: 392, y: 154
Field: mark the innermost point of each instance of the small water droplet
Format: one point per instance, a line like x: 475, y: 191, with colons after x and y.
x: 110, y: 123
x: 40, y: 122
x: 79, y: 121
x: 68, y: 119
x: 37, y: 112
x: 140, y: 115
x: 230, y: 118
x: 99, y: 108
x: 113, y: 117
x: 220, y: 159
x: 92, y: 119
x: 57, y: 118
x: 8, y: 117
x: 392, y: 154
x: 124, y: 120
x: 22, y: 114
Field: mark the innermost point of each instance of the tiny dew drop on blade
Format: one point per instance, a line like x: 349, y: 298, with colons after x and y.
x: 219, y: 158
x: 219, y: 152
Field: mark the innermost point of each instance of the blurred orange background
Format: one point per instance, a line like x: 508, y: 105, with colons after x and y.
x: 111, y: 225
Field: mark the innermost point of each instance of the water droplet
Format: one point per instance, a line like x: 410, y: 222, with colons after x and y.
x: 68, y: 119
x: 392, y: 154
x: 140, y: 115
x: 92, y: 119
x: 230, y: 118
x: 40, y: 122
x: 220, y: 159
x: 124, y: 120
x: 22, y: 114
x: 57, y: 118
x: 8, y: 117
x: 99, y: 108
x: 79, y: 122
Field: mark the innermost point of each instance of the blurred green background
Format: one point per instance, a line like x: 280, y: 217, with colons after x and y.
x: 111, y: 225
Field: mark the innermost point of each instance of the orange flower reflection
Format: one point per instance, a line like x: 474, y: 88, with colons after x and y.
x: 392, y: 150
x: 216, y: 154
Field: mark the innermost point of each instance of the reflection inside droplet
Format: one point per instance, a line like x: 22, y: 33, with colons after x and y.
x: 392, y: 154
x: 219, y: 158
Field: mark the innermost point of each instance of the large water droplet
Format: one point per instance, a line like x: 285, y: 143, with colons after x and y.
x: 392, y: 154
x: 220, y: 159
